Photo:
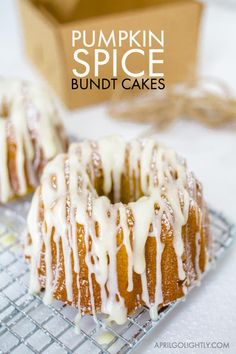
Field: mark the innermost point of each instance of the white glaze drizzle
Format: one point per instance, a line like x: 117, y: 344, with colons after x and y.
x: 30, y: 114
x: 5, y: 187
x: 165, y: 183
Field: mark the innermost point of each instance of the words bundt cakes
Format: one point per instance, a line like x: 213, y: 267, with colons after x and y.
x: 116, y: 225
x: 30, y: 135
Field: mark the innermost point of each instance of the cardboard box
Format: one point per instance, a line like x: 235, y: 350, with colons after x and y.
x: 48, y: 25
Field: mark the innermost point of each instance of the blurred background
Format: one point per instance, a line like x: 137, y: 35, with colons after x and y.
x: 209, y: 313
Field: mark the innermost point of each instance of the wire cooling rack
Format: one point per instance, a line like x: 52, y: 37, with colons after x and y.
x: 29, y: 326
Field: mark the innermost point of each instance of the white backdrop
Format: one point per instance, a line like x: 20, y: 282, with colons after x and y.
x: 210, y: 311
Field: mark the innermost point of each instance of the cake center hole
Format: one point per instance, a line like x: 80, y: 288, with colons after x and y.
x: 126, y: 191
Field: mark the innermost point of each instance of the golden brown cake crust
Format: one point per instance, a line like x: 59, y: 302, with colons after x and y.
x: 30, y: 135
x: 87, y: 289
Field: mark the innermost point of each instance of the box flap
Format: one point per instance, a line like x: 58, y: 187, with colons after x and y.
x: 74, y: 10
x: 60, y: 9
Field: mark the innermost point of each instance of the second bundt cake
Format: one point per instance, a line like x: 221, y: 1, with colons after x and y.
x: 30, y: 135
x: 116, y: 225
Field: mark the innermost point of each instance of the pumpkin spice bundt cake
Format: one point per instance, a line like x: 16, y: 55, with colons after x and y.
x: 116, y: 225
x: 30, y: 135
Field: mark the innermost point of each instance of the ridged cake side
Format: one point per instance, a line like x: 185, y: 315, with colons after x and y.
x: 30, y: 135
x: 115, y: 225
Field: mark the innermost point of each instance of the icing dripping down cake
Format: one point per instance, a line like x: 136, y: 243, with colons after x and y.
x: 30, y: 135
x: 115, y: 225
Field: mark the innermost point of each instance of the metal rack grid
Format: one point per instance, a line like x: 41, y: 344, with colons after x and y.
x: 27, y: 325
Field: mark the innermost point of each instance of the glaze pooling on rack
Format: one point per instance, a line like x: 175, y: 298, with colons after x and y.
x: 81, y: 198
x: 30, y: 135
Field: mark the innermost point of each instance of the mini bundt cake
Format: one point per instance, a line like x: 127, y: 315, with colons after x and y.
x: 116, y: 225
x: 30, y: 135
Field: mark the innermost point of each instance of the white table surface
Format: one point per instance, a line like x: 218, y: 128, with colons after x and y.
x: 209, y: 314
